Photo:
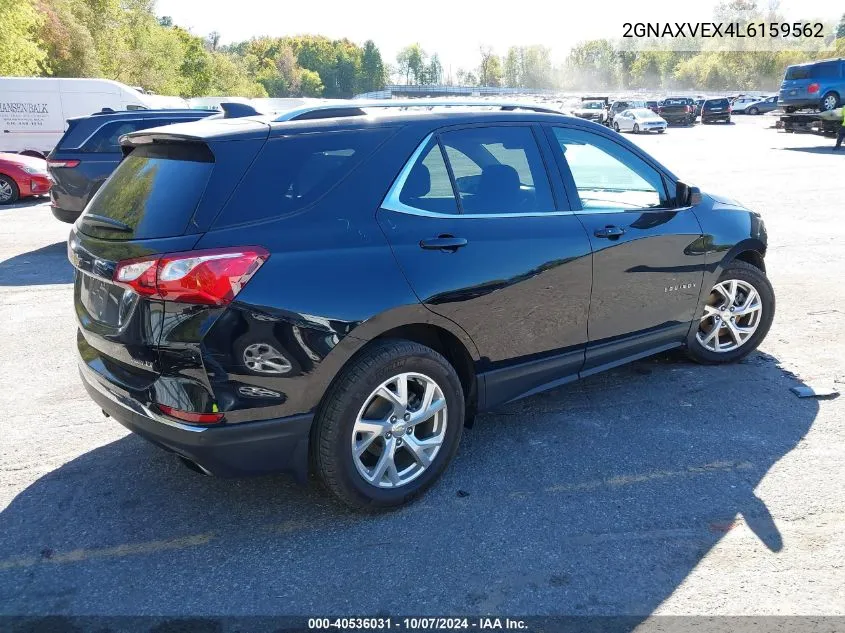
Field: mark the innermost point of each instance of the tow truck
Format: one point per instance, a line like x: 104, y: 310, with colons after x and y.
x: 813, y: 122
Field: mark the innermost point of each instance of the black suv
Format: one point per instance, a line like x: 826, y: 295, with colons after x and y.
x: 716, y: 110
x: 340, y: 289
x: 89, y: 152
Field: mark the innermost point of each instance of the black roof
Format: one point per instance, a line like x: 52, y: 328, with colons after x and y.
x: 263, y: 126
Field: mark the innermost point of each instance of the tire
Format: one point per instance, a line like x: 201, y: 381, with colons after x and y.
x: 661, y: 131
x: 334, y: 429
x: 615, y: 126
x: 830, y: 101
x: 9, y: 192
x: 789, y: 109
x: 753, y: 111
x: 744, y: 274
x: 636, y: 129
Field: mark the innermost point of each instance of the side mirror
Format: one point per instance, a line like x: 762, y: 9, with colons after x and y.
x: 687, y: 195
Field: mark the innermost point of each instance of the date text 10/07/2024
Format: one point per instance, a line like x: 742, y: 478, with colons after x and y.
x: 681, y: 30
x: 417, y: 624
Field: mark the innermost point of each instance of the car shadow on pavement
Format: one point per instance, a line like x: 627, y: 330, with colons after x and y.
x: 595, y: 499
x: 818, y: 149
x: 23, y: 204
x: 46, y: 265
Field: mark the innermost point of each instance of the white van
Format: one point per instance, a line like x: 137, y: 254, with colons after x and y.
x: 34, y: 110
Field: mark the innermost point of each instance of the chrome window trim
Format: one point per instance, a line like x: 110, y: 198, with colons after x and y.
x: 391, y: 201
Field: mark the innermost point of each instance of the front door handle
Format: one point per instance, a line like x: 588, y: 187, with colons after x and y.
x: 610, y: 232
x: 448, y: 243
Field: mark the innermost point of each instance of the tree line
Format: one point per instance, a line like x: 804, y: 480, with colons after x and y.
x: 125, y: 40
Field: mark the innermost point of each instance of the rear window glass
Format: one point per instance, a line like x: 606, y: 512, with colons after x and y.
x: 295, y: 171
x: 676, y: 101
x: 106, y: 138
x: 153, y: 192
x: 797, y: 72
x: 716, y: 103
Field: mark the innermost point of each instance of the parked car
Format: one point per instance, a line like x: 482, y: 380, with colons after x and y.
x: 33, y: 110
x: 716, y: 110
x: 651, y: 105
x: 677, y: 110
x: 89, y: 151
x: 698, y: 104
x: 740, y: 104
x: 21, y: 177
x: 592, y: 109
x: 639, y: 120
x: 353, y: 315
x: 619, y: 106
x: 763, y: 106
x: 819, y: 85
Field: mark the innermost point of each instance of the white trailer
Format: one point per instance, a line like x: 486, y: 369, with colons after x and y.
x: 34, y: 110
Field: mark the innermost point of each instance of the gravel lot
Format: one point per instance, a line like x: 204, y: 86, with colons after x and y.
x: 661, y: 487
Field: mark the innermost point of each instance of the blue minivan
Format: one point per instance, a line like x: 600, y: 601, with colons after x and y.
x: 818, y: 84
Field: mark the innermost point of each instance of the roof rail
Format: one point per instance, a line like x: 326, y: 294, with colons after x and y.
x: 338, y: 108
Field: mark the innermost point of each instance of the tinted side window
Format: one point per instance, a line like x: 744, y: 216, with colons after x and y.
x: 498, y: 170
x: 609, y: 176
x: 106, y: 138
x: 827, y: 70
x: 293, y: 172
x: 428, y: 186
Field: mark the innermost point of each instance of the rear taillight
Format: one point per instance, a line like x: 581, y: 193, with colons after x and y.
x: 62, y: 163
x: 207, y: 277
x: 190, y: 416
x: 688, y: 109
x: 813, y: 88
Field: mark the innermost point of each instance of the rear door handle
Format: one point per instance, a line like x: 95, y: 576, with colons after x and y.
x: 609, y: 232
x: 448, y: 243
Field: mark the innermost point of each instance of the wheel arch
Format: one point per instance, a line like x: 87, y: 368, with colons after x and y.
x: 415, y: 323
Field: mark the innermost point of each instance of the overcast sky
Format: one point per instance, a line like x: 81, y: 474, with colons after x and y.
x: 454, y: 28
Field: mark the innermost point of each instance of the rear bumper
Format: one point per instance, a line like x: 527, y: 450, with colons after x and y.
x: 799, y: 101
x: 248, y: 448
x: 64, y: 215
x: 678, y: 118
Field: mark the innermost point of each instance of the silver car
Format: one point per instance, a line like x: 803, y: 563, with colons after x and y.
x: 639, y: 120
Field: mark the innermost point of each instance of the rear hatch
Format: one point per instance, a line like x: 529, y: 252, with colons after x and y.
x: 160, y: 200
x: 796, y: 83
x: 716, y: 106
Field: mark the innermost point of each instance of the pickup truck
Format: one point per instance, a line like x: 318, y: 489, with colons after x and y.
x: 677, y: 110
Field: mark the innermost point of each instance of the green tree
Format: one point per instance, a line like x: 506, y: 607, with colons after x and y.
x: 372, y: 68
x: 513, y: 68
x: 69, y: 45
x: 840, y: 29
x: 410, y: 62
x: 21, y: 53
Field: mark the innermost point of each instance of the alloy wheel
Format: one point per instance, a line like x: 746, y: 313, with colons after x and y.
x: 731, y: 316
x: 399, y: 430
x: 5, y: 191
x: 829, y: 102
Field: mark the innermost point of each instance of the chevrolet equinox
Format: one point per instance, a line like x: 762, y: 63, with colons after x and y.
x: 338, y: 289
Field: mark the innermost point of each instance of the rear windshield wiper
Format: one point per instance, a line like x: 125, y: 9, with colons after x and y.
x: 102, y: 222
